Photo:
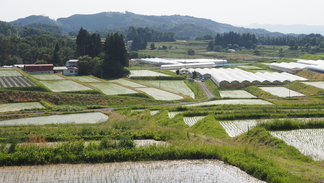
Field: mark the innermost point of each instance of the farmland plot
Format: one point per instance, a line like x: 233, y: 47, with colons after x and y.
x: 190, y: 121
x: 85, y: 79
x: 47, y: 77
x: 172, y: 114
x: 145, y: 73
x: 282, y: 92
x: 235, y: 94
x: 128, y: 83
x: 250, y: 67
x: 20, y: 106
x: 175, y: 171
x: 64, y: 85
x: 160, y: 94
x: 15, y: 81
x: 237, y: 127
x: 111, y: 88
x: 318, y: 84
x: 154, y: 112
x: 174, y: 86
x: 309, y: 142
x: 233, y: 102
x: 9, y: 72
x: 90, y: 118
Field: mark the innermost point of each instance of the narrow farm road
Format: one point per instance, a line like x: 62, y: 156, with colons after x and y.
x: 209, y: 94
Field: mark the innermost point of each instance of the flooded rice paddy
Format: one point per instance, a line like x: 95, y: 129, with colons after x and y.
x: 149, y: 171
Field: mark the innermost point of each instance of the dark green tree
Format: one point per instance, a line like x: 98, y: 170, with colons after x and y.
x: 83, y: 43
x: 56, y: 58
x: 116, y: 57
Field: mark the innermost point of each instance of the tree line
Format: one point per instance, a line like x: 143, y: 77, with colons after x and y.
x: 312, y: 43
x: 140, y: 36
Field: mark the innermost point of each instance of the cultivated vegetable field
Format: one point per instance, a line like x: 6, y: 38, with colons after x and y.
x: 128, y: 83
x: 64, y: 85
x: 235, y: 94
x: 282, y: 92
x: 145, y: 73
x: 85, y: 79
x: 82, y: 118
x: 48, y: 77
x: 309, y: 142
x: 9, y: 72
x: 160, y: 94
x: 111, y: 88
x: 15, y: 81
x: 318, y: 84
x: 20, y: 106
x: 174, y: 86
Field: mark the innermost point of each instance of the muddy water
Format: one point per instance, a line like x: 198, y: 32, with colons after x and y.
x: 149, y: 171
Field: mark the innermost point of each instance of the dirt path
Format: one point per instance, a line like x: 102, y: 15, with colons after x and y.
x: 209, y: 94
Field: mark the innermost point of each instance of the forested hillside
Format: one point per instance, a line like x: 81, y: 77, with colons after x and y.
x: 183, y: 26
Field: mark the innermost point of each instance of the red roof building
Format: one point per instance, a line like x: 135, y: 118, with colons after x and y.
x: 39, y: 69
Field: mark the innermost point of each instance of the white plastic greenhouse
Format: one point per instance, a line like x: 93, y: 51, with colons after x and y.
x: 293, y: 67
x: 230, y: 77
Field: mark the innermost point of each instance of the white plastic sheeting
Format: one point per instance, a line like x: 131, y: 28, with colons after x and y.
x: 161, y: 61
x: 232, y: 76
x: 293, y: 67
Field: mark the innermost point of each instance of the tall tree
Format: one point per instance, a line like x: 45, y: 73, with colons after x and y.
x: 116, y: 57
x: 56, y: 57
x: 82, y: 43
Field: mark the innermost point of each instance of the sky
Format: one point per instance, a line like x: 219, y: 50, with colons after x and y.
x: 234, y: 12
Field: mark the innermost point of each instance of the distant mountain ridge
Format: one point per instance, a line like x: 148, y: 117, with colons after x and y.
x: 290, y: 29
x: 122, y: 21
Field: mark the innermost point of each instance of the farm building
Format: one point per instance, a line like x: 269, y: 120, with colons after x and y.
x: 71, y: 63
x: 39, y: 69
x: 240, y: 78
x: 67, y: 71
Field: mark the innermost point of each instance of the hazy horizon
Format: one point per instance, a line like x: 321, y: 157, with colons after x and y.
x: 235, y: 12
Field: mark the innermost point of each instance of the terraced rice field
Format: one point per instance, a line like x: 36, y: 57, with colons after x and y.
x: 160, y: 94
x: 15, y: 81
x: 64, y: 85
x: 154, y: 112
x: 85, y: 79
x: 232, y: 102
x: 111, y: 88
x: 235, y: 94
x: 20, y: 106
x: 190, y: 121
x: 282, y: 92
x: 145, y: 73
x: 48, y: 77
x: 309, y: 142
x: 206, y: 171
x: 82, y: 118
x: 174, y: 86
x: 4, y: 72
x: 172, y: 114
x: 318, y: 84
x: 237, y: 127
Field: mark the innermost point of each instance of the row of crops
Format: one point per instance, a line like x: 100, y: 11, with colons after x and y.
x: 15, y: 81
